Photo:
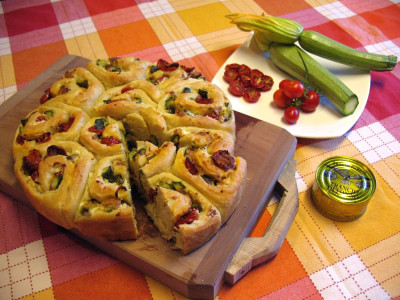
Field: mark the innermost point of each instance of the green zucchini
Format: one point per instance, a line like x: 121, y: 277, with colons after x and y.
x: 297, y: 63
x: 325, y: 47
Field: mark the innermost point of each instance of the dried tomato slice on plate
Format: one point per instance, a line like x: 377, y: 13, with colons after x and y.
x: 252, y: 95
x: 233, y: 66
x: 244, y: 70
x: 237, y: 88
x: 231, y: 75
x: 268, y: 83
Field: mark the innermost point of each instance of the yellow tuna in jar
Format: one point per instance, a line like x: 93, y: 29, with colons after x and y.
x: 343, y: 187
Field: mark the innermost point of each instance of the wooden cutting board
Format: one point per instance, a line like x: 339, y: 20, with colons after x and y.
x: 199, y: 274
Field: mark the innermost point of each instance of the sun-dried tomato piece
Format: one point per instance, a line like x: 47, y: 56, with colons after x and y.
x: 41, y: 118
x: 165, y: 66
x: 62, y: 127
x: 188, y: 69
x: 110, y: 140
x: 35, y: 175
x: 212, y: 115
x: 191, y: 166
x: 31, y: 162
x: 46, y: 97
x: 55, y: 150
x: 63, y: 90
x: 201, y: 100
x: 224, y: 160
x: 126, y: 89
x: 20, y: 140
x: 99, y: 131
x: 188, y: 218
x: 45, y: 137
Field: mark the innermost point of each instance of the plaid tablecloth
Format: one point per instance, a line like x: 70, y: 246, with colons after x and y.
x: 320, y: 258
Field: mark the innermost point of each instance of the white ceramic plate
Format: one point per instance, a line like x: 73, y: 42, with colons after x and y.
x: 324, y: 122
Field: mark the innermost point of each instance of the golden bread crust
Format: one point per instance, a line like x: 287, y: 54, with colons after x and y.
x: 119, y: 101
x: 118, y: 71
x: 78, y: 87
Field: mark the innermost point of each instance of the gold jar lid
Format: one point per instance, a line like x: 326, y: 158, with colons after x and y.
x: 343, y: 187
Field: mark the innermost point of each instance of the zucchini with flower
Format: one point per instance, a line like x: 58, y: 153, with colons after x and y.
x: 271, y: 29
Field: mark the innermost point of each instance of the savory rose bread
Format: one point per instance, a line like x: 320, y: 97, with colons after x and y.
x: 50, y: 122
x: 78, y: 88
x: 116, y: 71
x: 103, y: 136
x: 199, y: 103
x: 122, y: 131
x: 54, y: 176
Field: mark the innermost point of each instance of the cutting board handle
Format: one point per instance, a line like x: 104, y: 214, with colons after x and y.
x: 256, y: 250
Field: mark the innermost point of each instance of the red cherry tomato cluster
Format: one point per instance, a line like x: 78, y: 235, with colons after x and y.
x: 246, y: 82
x: 292, y: 96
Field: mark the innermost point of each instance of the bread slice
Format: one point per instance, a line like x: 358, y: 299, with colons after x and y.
x: 219, y: 176
x: 54, y: 176
x: 183, y: 215
x: 106, y: 209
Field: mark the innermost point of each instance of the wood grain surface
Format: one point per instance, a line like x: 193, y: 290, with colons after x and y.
x: 199, y: 274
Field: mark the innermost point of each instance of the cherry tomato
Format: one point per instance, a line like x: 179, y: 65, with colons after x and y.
x: 293, y: 89
x: 283, y: 82
x: 237, y: 88
x: 280, y: 99
x: 310, y: 101
x: 252, y: 95
x: 291, y: 114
